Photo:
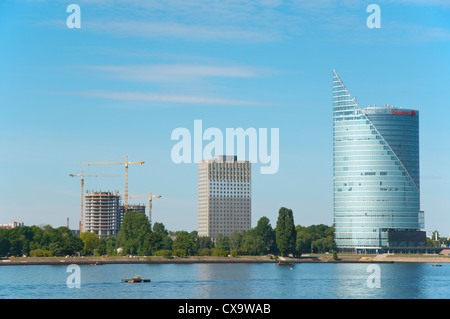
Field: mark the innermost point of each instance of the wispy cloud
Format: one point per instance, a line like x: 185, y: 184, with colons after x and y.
x: 404, y: 33
x: 185, y: 31
x: 174, y: 83
x: 167, y: 98
x: 175, y: 72
x: 440, y: 3
x: 420, y: 33
x: 194, y: 20
x: 242, y: 21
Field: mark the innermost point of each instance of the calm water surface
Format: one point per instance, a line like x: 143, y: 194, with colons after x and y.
x: 236, y: 281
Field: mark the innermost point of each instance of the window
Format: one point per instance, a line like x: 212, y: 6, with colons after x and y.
x: 369, y: 173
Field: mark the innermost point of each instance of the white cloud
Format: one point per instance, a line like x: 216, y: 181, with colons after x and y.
x: 246, y: 21
x: 167, y: 98
x: 180, y: 80
x: 198, y: 32
x: 199, y: 20
x: 441, y: 3
x: 175, y: 72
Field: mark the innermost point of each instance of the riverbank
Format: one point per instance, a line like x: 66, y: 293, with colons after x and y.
x: 320, y: 258
x: 142, y: 260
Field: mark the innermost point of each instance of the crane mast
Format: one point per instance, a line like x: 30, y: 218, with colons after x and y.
x: 150, y: 197
x: 126, y: 174
x: 82, y: 175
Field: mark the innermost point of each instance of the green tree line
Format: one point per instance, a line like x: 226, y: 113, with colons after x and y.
x: 138, y: 237
x: 39, y: 241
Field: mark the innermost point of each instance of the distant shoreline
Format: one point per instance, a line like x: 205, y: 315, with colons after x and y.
x: 208, y: 259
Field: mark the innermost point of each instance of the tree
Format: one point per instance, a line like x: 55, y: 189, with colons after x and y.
x: 111, y: 245
x: 224, y: 243
x: 303, y: 242
x: 167, y: 243
x: 101, y: 248
x: 39, y: 239
x: 4, y: 242
x: 204, y: 242
x: 160, y: 228
x: 71, y: 245
x: 317, y: 238
x: 335, y: 255
x: 55, y: 249
x: 236, y: 240
x: 285, y: 231
x: 17, y: 241
x: 264, y: 231
x: 253, y: 244
x: 184, y: 241
x: 179, y: 252
x: 328, y: 243
x: 164, y: 252
x: 134, y: 229
x: 152, y: 243
x: 90, y: 241
x: 40, y: 253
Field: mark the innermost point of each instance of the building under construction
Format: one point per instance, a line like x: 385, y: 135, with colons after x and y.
x: 102, y: 213
x: 131, y: 208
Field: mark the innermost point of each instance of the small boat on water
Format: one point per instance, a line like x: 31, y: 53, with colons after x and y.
x: 436, y: 265
x: 282, y: 263
x: 136, y: 279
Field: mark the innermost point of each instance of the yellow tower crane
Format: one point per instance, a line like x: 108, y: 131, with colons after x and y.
x: 126, y: 174
x: 149, y: 203
x: 82, y: 175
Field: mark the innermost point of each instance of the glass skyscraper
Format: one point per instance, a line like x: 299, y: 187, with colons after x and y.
x: 376, y: 176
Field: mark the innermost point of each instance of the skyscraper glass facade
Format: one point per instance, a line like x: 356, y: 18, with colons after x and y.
x: 376, y: 176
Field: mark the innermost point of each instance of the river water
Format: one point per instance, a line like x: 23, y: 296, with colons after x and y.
x: 228, y: 281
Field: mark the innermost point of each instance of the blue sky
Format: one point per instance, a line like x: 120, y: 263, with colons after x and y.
x: 137, y: 70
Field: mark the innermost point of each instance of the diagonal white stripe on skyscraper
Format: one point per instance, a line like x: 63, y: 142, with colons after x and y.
x: 375, y: 128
